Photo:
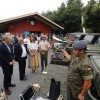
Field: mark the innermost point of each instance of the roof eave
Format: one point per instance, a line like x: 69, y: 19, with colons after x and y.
x: 29, y: 15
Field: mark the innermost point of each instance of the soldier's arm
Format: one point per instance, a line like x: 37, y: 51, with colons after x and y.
x: 87, y: 74
x: 86, y: 86
x: 66, y: 54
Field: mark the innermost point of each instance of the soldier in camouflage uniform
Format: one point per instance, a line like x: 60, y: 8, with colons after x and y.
x: 80, y: 72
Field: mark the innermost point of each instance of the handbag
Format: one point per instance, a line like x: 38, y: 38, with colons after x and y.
x: 54, y: 91
x: 3, y: 95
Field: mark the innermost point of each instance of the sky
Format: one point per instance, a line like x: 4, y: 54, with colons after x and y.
x: 12, y: 8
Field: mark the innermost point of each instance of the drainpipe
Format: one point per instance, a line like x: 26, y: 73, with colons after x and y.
x: 82, y: 24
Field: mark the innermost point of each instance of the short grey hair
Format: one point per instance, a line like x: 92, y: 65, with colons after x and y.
x: 4, y: 37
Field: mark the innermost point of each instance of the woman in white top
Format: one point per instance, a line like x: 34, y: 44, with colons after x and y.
x: 33, y: 55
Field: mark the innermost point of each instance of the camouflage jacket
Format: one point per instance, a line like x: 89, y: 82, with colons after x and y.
x: 79, y: 70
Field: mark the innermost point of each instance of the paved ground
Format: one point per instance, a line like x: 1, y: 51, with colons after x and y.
x: 20, y: 85
x: 59, y: 74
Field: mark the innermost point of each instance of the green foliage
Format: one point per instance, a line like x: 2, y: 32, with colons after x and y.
x: 73, y: 16
x: 67, y: 15
x: 92, y: 17
x: 50, y: 15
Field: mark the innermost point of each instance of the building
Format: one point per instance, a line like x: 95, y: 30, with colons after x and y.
x: 29, y: 23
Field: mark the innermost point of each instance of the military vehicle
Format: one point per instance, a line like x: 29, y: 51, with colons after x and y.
x: 93, y: 52
x: 57, y: 57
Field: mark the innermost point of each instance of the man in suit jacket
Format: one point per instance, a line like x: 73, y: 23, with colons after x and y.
x: 7, y: 61
x: 21, y: 56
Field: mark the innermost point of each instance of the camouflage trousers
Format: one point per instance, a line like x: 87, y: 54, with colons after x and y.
x: 70, y: 96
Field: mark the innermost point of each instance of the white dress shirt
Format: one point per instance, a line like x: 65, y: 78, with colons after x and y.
x: 23, y: 51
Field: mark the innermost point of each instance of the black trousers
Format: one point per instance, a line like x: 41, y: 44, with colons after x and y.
x: 7, y: 71
x: 44, y: 60
x: 22, y: 67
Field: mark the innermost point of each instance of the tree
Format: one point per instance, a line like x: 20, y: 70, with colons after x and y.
x: 50, y: 15
x: 57, y: 16
x: 73, y: 16
x: 92, y: 17
x: 67, y: 15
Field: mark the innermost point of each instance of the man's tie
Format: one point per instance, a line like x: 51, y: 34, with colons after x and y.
x: 8, y: 48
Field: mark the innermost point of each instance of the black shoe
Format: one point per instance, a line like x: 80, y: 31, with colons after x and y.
x: 7, y: 91
x: 23, y: 79
x: 24, y: 76
x: 28, y: 66
x: 12, y: 85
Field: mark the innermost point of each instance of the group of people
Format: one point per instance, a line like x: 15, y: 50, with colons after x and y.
x: 10, y: 54
x: 80, y: 71
x: 33, y: 47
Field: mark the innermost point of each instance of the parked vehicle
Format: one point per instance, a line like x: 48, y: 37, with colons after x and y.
x: 93, y: 52
x: 94, y: 91
x: 57, y: 57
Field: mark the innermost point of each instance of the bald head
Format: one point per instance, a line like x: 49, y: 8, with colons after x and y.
x: 20, y: 40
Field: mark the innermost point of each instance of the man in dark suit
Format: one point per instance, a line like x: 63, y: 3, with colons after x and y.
x: 7, y: 61
x: 21, y: 56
